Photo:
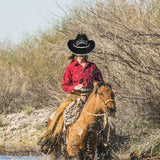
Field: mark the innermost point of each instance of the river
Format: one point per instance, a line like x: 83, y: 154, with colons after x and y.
x: 4, y: 157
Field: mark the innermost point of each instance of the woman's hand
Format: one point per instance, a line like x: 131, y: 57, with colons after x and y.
x: 78, y: 87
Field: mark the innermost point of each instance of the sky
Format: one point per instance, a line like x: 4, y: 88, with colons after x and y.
x: 21, y: 17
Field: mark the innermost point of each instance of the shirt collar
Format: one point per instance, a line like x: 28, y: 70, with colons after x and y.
x: 75, y: 63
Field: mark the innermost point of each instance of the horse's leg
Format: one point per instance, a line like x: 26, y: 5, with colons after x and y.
x: 90, y: 146
x: 89, y: 155
x: 101, y: 151
x: 104, y: 152
x: 78, y: 156
x: 51, y: 156
x: 73, y: 142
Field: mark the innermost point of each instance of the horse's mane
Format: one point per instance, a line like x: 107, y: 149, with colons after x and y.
x: 100, y: 84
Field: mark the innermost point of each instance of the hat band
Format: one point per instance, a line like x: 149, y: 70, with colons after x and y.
x: 81, y: 47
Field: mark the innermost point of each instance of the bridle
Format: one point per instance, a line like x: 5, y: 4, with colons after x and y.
x: 107, y: 101
x: 98, y: 115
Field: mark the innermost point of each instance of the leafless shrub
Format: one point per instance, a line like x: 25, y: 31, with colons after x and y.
x: 30, y: 74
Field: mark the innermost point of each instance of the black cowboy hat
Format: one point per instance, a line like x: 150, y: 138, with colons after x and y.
x: 81, y: 45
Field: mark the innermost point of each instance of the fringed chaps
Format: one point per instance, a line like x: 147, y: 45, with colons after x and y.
x: 67, y: 113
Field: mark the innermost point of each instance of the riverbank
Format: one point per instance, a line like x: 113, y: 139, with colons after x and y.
x: 20, y: 132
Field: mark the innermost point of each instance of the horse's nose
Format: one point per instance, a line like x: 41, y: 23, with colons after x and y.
x: 111, y: 109
x: 111, y: 105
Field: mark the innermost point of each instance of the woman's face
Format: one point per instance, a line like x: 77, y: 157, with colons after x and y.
x: 80, y: 57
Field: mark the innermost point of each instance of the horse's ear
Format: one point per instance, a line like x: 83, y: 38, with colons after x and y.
x: 95, y: 84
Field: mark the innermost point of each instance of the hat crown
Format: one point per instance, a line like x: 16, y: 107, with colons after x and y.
x: 81, y: 40
x: 81, y: 45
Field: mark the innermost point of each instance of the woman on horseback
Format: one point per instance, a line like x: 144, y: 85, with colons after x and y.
x: 78, y: 80
x: 79, y: 77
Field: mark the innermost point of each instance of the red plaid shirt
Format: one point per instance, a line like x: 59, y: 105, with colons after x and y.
x: 77, y: 74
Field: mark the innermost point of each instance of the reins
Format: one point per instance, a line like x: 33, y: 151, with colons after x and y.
x: 91, y: 114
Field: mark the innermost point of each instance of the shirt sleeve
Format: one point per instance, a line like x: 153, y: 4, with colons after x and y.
x: 67, y: 81
x: 98, y: 75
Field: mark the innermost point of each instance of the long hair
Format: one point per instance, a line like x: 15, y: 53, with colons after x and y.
x: 71, y: 57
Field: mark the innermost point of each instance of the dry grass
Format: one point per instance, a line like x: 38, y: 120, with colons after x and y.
x: 127, y: 52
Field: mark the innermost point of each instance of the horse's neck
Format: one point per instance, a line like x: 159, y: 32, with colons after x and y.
x: 90, y: 108
x: 86, y: 121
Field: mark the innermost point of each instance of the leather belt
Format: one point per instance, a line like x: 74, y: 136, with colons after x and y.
x: 84, y: 90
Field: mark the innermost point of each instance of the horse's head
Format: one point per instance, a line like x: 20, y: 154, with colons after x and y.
x: 105, y: 98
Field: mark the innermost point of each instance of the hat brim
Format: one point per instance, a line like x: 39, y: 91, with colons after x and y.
x: 81, y: 51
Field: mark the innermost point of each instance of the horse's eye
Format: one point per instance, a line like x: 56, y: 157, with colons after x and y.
x: 101, y: 94
x: 112, y: 95
x: 108, y: 89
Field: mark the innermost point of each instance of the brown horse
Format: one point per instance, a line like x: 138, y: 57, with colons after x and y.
x: 83, y: 135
